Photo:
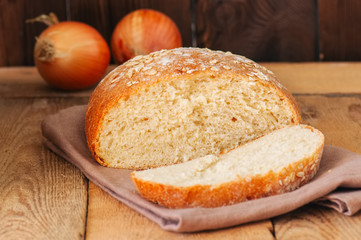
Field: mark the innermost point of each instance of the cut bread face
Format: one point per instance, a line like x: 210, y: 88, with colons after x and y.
x: 278, y: 162
x: 175, y: 105
x: 175, y: 121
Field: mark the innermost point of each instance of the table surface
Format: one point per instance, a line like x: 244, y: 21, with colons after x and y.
x: 44, y: 197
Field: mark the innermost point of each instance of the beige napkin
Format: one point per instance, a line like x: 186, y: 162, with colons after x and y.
x: 336, y: 185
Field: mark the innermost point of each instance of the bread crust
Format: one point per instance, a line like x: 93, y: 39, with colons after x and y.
x: 130, y: 77
x: 239, y: 190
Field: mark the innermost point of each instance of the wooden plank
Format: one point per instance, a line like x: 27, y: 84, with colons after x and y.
x: 110, y: 219
x: 93, y: 12
x: 11, y: 47
x: 339, y: 26
x: 314, y: 222
x: 17, y: 39
x: 299, y: 78
x: 261, y: 30
x: 41, y: 195
x: 311, y: 78
x: 25, y: 82
x: 339, y: 118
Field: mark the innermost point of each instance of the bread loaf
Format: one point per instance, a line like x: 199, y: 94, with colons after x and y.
x: 278, y: 162
x: 175, y: 105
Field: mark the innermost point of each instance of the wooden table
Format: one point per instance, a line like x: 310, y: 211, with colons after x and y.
x: 44, y: 197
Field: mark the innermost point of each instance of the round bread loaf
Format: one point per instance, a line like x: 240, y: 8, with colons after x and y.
x: 175, y: 105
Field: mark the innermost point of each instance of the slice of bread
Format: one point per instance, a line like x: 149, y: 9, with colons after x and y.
x: 175, y: 105
x: 278, y: 162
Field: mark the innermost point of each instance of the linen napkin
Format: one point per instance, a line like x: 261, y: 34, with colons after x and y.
x: 336, y: 185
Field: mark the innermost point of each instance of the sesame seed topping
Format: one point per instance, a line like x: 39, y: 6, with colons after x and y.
x: 287, y: 180
x: 187, y: 60
x: 300, y: 174
x: 292, y: 176
x: 131, y: 63
x: 151, y: 72
x: 130, y: 73
x: 313, y: 166
x: 226, y: 67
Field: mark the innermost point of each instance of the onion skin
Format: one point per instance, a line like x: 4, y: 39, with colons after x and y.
x: 142, y: 32
x: 71, y: 55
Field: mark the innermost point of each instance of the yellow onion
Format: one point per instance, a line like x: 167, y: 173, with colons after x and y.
x: 143, y: 31
x: 71, y: 55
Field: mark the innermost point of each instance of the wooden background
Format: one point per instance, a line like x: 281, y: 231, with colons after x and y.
x: 263, y: 30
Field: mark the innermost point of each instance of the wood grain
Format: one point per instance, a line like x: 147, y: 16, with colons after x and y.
x: 339, y: 118
x: 315, y: 222
x: 261, y: 30
x: 41, y: 195
x: 319, y: 78
x: 25, y: 82
x: 299, y: 78
x: 110, y: 219
x: 93, y: 12
x: 11, y: 27
x: 340, y: 31
x: 17, y: 38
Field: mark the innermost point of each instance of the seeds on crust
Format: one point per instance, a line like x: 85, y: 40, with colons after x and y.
x: 130, y: 73
x: 151, y: 72
x: 226, y: 67
x: 313, y: 166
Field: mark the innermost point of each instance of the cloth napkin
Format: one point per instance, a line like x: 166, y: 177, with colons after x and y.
x: 336, y: 185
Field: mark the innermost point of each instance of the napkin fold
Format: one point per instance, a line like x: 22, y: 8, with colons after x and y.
x: 336, y: 185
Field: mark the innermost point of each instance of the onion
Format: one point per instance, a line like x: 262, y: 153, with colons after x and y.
x: 143, y: 31
x: 70, y: 55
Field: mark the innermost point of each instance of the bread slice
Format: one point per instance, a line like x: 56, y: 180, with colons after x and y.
x: 278, y: 162
x: 175, y: 105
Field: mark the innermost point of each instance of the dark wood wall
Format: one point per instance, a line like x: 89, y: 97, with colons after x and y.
x: 263, y: 30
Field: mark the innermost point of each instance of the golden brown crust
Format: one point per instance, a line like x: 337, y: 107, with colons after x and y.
x: 166, y: 65
x: 239, y: 190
